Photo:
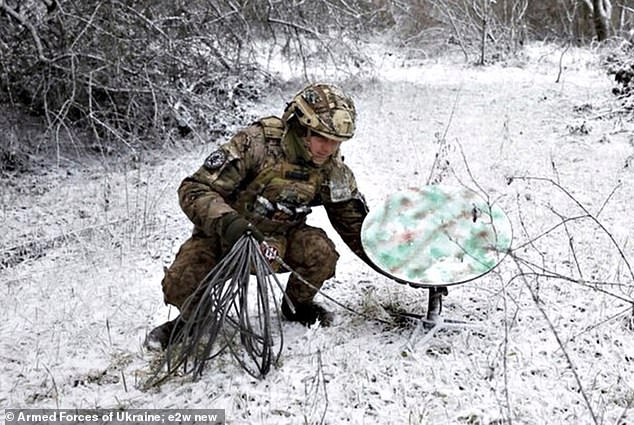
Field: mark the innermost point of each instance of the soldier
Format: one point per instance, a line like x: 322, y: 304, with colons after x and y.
x: 265, y: 180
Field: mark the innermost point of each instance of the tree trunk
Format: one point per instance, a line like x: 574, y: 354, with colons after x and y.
x: 602, y: 11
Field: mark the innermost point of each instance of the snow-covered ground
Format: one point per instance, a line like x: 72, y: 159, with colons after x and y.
x: 543, y: 351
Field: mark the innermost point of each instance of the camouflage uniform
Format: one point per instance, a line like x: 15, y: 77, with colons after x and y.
x: 261, y: 167
x: 265, y: 178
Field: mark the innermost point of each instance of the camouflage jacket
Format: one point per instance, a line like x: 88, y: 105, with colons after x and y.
x: 255, y: 175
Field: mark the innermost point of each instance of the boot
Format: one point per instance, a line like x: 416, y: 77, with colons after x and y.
x: 307, y: 313
x: 159, y: 337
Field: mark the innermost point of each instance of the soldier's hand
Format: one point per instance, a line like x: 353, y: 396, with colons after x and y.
x: 234, y: 226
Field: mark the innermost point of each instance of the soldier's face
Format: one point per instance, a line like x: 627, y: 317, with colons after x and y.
x: 321, y: 148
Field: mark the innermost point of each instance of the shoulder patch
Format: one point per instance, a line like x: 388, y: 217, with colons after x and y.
x: 341, y: 183
x: 339, y: 190
x: 215, y: 160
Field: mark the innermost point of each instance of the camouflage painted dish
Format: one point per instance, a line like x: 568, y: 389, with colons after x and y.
x: 436, y: 236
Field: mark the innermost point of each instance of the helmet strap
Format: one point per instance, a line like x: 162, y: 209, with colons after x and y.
x: 288, y: 112
x: 306, y: 140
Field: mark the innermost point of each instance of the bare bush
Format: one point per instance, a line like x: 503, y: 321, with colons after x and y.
x: 500, y: 26
x: 480, y: 29
x: 134, y: 72
x: 619, y: 63
x: 141, y: 73
x: 486, y: 30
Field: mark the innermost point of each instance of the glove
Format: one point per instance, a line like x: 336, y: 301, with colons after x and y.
x: 234, y: 226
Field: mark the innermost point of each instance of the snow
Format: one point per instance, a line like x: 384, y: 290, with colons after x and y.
x: 74, y: 319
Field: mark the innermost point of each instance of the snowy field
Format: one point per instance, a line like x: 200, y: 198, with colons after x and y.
x: 552, y: 340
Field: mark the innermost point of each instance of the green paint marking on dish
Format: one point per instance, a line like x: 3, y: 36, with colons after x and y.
x: 436, y: 235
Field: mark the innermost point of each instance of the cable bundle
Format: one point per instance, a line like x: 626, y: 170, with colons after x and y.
x: 225, y: 311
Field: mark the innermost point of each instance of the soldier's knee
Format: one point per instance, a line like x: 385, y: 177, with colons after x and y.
x: 329, y: 261
x: 193, y: 261
x: 174, y: 291
x: 322, y: 252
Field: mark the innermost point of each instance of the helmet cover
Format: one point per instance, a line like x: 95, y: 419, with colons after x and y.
x: 324, y: 109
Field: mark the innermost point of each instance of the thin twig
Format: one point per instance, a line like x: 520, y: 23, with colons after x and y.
x: 312, y: 387
x: 607, y: 198
x: 571, y: 365
x: 505, y: 345
x: 625, y: 311
x: 548, y: 231
x: 294, y: 26
x: 585, y: 210
x: 561, y: 59
x: 443, y: 140
x: 596, y: 286
x: 571, y: 245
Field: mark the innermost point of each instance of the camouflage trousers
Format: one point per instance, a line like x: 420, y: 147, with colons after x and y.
x: 306, y: 249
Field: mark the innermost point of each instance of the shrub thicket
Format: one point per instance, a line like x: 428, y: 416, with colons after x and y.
x: 133, y: 72
x: 146, y: 71
x: 620, y: 65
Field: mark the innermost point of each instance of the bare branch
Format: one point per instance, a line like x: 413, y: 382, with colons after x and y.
x: 562, y: 346
x: 587, y: 213
x: 24, y: 22
x: 294, y: 26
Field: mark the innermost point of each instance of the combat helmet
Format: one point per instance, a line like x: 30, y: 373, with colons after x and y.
x: 325, y: 110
